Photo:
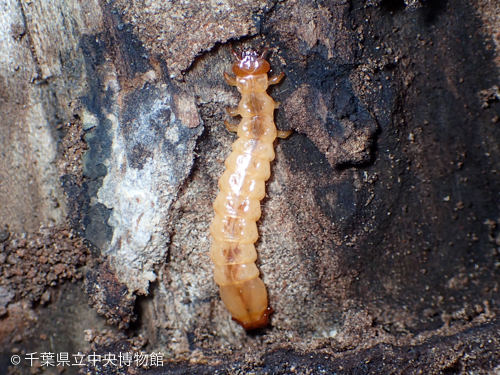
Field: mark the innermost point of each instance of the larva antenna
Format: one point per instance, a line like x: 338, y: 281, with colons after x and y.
x: 235, y: 54
x: 264, y: 52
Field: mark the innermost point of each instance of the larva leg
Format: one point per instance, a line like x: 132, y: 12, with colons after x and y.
x: 233, y: 111
x: 230, y: 80
x: 276, y: 79
x: 233, y: 128
x: 284, y: 133
x: 277, y: 105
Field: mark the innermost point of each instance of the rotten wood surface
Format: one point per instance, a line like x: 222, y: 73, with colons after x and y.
x: 380, y: 230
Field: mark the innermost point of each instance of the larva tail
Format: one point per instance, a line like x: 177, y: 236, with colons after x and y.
x: 247, y: 303
x: 241, y: 289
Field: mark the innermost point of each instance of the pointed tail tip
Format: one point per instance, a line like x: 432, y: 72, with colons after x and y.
x: 260, y: 323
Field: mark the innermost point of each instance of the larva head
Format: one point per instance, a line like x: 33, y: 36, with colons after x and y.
x: 250, y: 63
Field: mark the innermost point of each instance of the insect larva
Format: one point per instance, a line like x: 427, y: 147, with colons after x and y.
x: 242, y: 186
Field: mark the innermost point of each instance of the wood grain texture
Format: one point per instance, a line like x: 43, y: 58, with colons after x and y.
x: 39, y: 41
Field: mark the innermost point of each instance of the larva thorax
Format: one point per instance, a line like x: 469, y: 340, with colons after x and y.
x: 252, y: 83
x: 242, y: 186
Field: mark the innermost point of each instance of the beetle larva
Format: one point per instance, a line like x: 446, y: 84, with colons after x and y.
x: 242, y: 186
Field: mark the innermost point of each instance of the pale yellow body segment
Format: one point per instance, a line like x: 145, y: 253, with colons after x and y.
x: 237, y: 207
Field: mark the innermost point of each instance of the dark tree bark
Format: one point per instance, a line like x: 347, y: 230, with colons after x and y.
x: 379, y: 240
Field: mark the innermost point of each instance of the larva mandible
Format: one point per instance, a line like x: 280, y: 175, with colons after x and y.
x: 242, y: 186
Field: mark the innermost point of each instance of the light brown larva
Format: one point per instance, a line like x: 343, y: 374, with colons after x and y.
x: 242, y: 186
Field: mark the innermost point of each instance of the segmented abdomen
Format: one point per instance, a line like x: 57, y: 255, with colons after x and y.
x: 237, y: 208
